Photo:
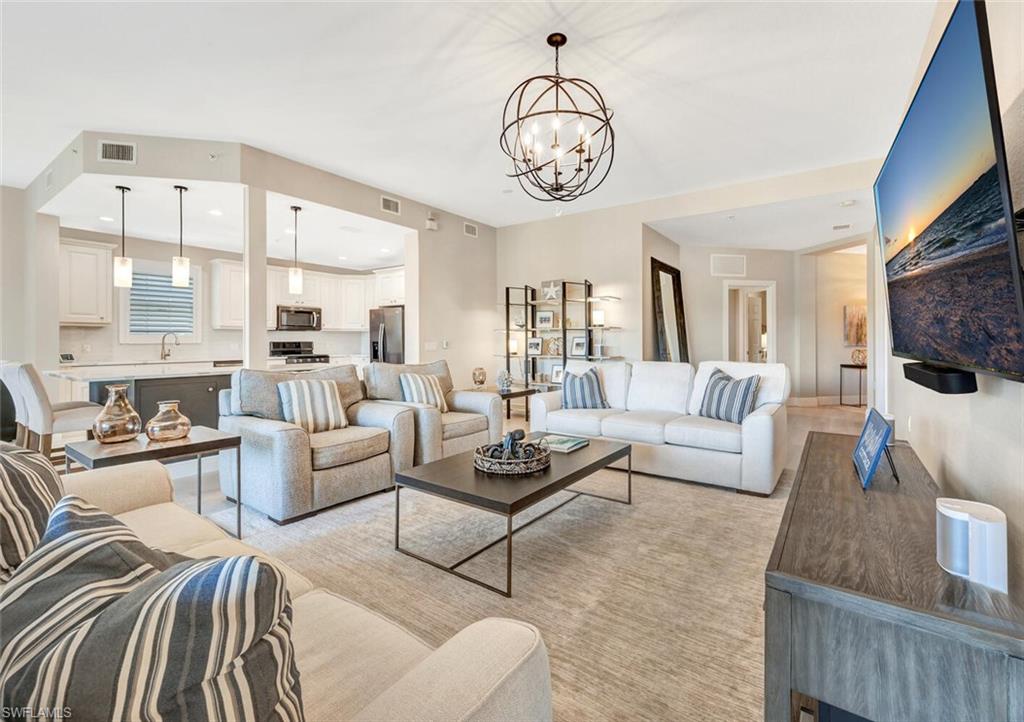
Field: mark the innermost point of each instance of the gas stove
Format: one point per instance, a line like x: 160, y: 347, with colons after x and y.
x: 296, y: 352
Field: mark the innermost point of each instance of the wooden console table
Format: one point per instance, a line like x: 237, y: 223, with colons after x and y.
x: 858, y: 614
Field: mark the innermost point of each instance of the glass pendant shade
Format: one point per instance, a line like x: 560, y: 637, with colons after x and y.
x: 179, y: 272
x: 122, y: 272
x: 294, y: 281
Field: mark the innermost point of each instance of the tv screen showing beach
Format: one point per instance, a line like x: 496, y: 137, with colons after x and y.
x: 946, y: 242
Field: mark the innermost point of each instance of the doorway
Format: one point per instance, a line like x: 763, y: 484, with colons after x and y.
x: 750, y: 328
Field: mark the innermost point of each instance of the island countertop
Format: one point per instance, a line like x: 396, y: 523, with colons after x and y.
x: 136, y: 372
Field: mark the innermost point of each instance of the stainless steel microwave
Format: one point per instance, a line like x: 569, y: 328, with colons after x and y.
x: 298, y: 318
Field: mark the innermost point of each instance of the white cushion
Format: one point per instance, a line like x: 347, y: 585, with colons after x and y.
x: 75, y: 419
x: 772, y: 389
x: 346, y: 654
x: 659, y: 386
x: 614, y: 378
x: 578, y: 422
x: 170, y: 527
x: 645, y: 426
x: 704, y: 433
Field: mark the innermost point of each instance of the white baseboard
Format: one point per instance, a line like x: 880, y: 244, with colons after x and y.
x: 801, y: 401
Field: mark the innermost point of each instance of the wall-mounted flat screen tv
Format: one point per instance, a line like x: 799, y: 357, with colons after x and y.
x: 945, y: 218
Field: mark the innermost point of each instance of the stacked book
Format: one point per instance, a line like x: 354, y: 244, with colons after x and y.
x: 564, y: 444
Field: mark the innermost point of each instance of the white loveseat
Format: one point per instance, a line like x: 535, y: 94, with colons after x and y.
x: 655, y: 406
x: 353, y: 663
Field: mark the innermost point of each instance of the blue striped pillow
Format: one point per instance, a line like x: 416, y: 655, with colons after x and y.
x: 729, y: 399
x: 29, y: 489
x: 583, y: 391
x: 313, y: 404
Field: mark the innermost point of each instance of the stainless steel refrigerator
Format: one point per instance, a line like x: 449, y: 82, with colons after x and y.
x: 387, y: 334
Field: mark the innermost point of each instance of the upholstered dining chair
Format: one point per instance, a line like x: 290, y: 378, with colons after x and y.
x: 46, y: 419
x: 9, y: 376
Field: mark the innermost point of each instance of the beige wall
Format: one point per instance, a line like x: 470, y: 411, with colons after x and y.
x: 974, y: 444
x: 655, y: 245
x: 13, y: 250
x: 841, y: 281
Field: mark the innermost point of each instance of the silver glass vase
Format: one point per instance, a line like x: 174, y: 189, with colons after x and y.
x: 169, y: 423
x: 118, y: 421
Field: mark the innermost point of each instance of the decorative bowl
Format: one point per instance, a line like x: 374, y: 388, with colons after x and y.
x: 514, y: 466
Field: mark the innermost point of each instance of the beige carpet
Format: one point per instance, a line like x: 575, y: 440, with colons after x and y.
x: 649, y: 611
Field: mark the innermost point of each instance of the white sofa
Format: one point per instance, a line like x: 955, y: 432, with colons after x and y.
x: 353, y: 663
x: 655, y: 406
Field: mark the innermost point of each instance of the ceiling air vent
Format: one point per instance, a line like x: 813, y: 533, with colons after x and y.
x: 391, y: 205
x: 841, y: 227
x: 724, y: 264
x: 112, y: 152
x: 470, y: 230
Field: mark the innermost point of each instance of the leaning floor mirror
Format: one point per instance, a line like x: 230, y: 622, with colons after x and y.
x: 669, y: 321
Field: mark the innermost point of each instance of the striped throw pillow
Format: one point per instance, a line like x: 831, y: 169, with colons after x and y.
x: 583, y: 391
x: 97, y: 622
x: 29, y: 489
x: 729, y: 399
x: 423, y: 389
x: 313, y: 404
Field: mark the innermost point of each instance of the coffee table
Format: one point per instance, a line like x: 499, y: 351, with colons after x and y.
x: 201, y: 441
x: 456, y: 479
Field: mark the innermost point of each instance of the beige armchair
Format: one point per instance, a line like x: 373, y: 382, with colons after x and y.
x: 473, y: 417
x: 288, y: 473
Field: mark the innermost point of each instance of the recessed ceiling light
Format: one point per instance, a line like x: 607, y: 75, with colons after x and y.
x: 847, y: 203
x: 106, y: 219
x: 350, y: 229
x: 385, y: 250
x: 289, y: 231
x: 342, y: 258
x: 216, y: 212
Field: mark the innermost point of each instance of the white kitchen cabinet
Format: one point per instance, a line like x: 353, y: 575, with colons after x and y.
x: 390, y: 286
x: 331, y: 303
x: 354, y: 312
x: 85, y: 290
x: 227, y: 297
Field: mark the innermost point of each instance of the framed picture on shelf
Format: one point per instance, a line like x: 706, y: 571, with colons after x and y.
x: 545, y: 320
x: 534, y: 346
x: 557, y: 372
x: 554, y: 346
x: 578, y: 346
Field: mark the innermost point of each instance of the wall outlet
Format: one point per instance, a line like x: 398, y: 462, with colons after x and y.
x: 444, y: 343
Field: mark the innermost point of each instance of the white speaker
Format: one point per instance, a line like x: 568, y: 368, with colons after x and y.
x: 970, y: 541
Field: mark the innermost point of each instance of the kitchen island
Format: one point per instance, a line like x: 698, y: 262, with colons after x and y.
x: 195, y: 384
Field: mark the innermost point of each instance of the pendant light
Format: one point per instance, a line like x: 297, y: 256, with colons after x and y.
x: 295, y: 273
x: 180, y: 264
x: 122, y: 263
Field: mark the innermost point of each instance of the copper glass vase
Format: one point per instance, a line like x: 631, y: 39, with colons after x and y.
x: 169, y: 423
x: 118, y: 421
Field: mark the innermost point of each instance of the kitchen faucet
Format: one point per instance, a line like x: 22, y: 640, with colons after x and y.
x: 165, y: 353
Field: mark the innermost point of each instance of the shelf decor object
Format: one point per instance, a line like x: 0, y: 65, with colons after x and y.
x: 479, y: 376
x: 118, y: 421
x: 558, y: 133
x: 295, y: 273
x: 169, y: 423
x: 122, y: 263
x: 180, y: 263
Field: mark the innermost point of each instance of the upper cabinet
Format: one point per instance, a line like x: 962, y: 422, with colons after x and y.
x: 354, y: 311
x: 390, y: 286
x: 227, y: 300
x: 85, y: 292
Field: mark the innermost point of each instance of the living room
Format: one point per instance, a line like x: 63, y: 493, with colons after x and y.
x: 707, y: 322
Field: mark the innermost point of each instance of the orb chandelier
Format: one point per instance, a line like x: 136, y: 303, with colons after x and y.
x: 558, y: 133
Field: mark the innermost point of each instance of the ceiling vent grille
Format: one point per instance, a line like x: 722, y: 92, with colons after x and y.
x: 728, y: 265
x: 470, y: 230
x: 112, y: 152
x: 391, y: 205
x: 841, y: 227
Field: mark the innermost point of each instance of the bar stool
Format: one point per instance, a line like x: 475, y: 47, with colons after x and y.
x: 9, y: 376
x: 46, y: 419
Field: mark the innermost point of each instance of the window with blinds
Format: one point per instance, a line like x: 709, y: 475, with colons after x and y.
x: 157, y: 307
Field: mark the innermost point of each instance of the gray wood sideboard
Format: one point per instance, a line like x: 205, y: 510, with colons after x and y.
x: 858, y: 614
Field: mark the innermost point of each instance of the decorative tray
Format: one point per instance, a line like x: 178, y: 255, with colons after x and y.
x: 511, y: 457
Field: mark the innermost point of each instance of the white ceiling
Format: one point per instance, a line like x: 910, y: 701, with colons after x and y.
x: 327, y: 236
x: 787, y: 226
x: 408, y: 96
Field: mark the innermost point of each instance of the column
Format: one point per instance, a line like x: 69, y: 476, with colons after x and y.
x: 254, y: 264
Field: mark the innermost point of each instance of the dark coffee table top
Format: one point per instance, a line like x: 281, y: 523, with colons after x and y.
x: 457, y: 479
x: 513, y: 393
